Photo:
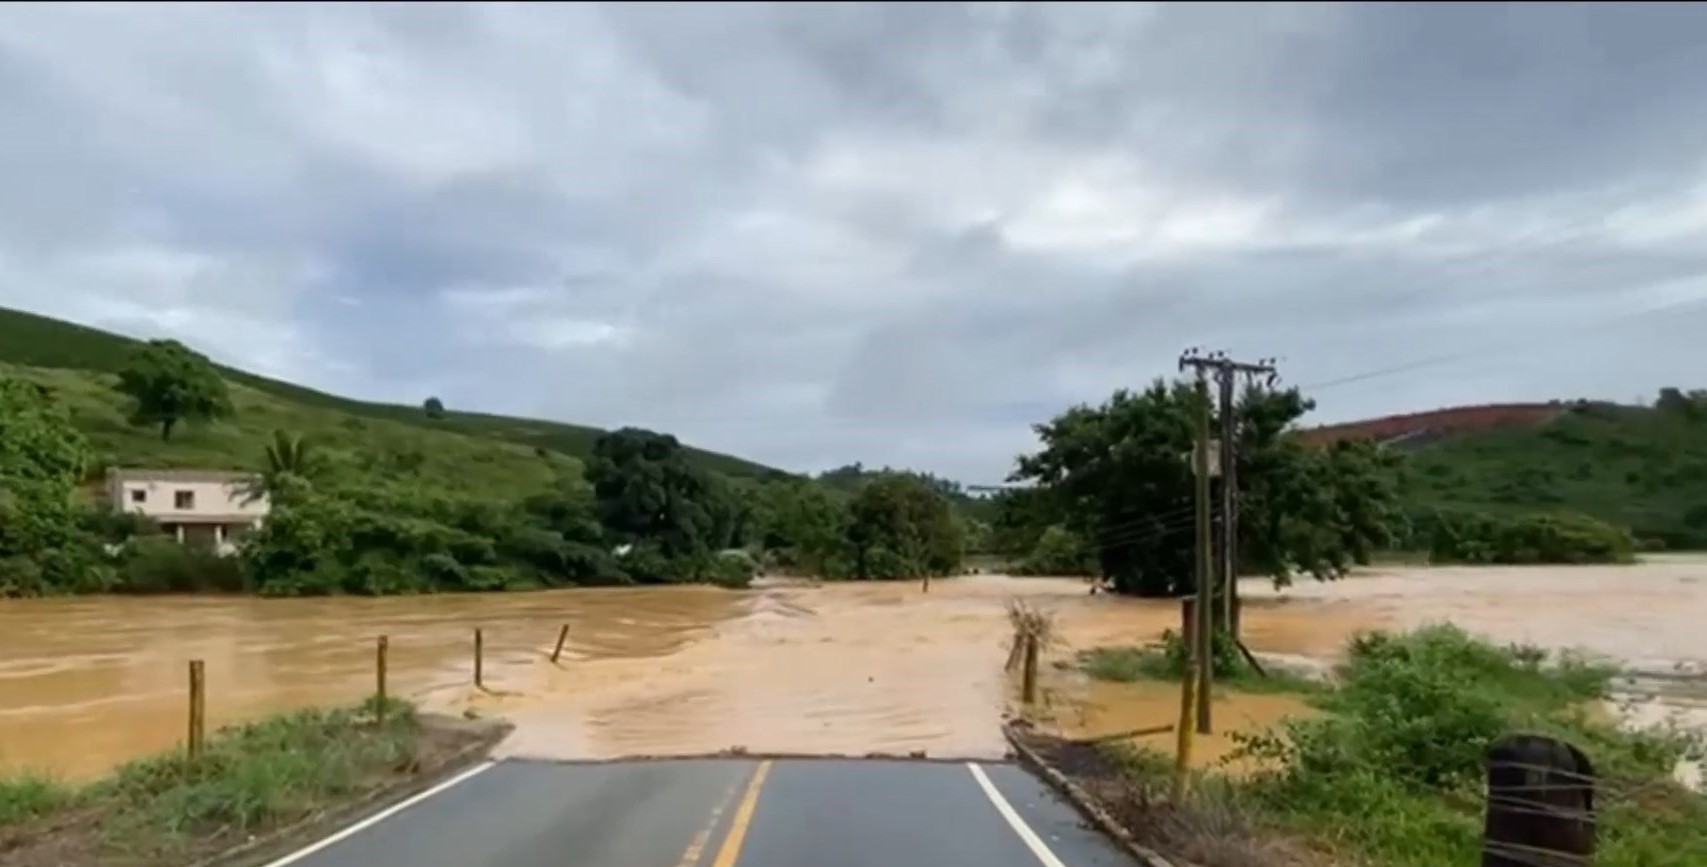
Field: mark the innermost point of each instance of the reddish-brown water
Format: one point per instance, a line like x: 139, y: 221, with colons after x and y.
x: 839, y: 668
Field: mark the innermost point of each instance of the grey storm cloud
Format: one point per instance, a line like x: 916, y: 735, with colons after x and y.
x: 897, y: 233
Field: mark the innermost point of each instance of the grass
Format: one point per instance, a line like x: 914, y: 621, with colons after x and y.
x: 1390, y: 772
x: 250, y: 780
x: 30, y: 795
x: 1167, y: 663
x: 57, y: 348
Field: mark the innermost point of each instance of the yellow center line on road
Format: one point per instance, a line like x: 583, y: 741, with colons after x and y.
x: 690, y: 856
x: 731, y: 848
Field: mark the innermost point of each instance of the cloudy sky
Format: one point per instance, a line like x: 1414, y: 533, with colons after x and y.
x: 897, y: 233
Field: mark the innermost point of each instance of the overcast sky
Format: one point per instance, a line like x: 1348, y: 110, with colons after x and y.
x: 893, y: 233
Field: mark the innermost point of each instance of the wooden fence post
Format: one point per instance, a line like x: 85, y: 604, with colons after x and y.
x: 198, y: 709
x: 479, y: 657
x: 380, y: 663
x: 927, y: 582
x: 1540, y: 809
x: 1028, y: 684
x: 562, y: 636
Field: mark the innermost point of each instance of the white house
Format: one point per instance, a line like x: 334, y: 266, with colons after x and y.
x: 198, y: 506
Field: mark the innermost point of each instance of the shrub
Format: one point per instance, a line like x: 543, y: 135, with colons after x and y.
x: 1478, y: 537
x: 158, y: 564
x: 1059, y: 551
x: 1392, y: 770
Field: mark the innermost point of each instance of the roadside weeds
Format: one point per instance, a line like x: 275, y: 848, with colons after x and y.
x: 258, y: 788
x: 1389, y: 767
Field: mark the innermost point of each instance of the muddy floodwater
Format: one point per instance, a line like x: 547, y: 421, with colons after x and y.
x: 836, y: 668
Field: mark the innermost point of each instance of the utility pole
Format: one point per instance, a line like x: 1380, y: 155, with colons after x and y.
x: 1203, y: 655
x: 1225, y: 371
x: 1229, y: 504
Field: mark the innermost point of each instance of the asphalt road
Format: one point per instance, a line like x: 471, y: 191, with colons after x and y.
x: 726, y: 813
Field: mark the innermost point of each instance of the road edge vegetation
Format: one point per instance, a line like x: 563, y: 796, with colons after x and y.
x: 258, y: 790
x: 1390, y: 769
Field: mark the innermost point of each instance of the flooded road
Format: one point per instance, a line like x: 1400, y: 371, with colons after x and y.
x: 838, y: 668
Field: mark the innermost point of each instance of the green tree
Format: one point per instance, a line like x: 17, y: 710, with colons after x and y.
x: 170, y: 383
x: 802, y: 524
x: 43, y: 547
x: 287, y: 454
x: 649, y: 493
x: 1059, y: 551
x: 1020, y: 518
x: 433, y: 407
x: 900, y: 526
x: 1120, y: 474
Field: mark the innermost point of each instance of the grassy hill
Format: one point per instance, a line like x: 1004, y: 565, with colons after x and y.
x: 1640, y: 467
x: 442, y: 460
x: 81, y: 360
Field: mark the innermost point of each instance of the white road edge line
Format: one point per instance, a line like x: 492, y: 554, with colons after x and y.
x: 381, y: 816
x: 1032, y: 841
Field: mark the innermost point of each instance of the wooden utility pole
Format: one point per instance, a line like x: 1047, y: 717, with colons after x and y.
x: 1202, y: 648
x: 1226, y: 372
x: 1230, y: 429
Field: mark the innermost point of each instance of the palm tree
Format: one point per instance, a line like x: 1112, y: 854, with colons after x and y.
x: 287, y: 455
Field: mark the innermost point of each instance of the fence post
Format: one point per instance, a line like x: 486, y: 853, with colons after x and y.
x: 1540, y: 804
x: 927, y: 582
x: 562, y: 636
x: 479, y: 657
x: 1028, y: 687
x: 198, y: 709
x: 380, y: 653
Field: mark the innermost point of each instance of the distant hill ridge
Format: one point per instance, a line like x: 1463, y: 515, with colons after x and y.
x: 1436, y: 422
x: 30, y: 340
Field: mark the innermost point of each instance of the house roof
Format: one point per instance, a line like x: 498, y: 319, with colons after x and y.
x: 117, y: 474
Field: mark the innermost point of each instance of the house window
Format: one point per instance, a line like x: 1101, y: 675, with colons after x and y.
x: 183, y: 499
x: 139, y: 495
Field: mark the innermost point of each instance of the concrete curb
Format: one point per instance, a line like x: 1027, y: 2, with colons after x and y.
x: 1085, y: 804
x: 281, y: 841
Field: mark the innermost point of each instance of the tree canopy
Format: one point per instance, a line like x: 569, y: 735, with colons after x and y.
x: 1119, y: 476
x: 42, y: 459
x: 433, y: 407
x: 900, y: 526
x: 171, y: 383
x: 674, y: 515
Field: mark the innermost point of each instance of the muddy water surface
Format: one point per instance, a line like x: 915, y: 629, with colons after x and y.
x: 838, y: 668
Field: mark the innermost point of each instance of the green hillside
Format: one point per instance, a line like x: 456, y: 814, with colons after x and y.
x: 441, y: 460
x: 1644, y: 468
x: 31, y: 341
